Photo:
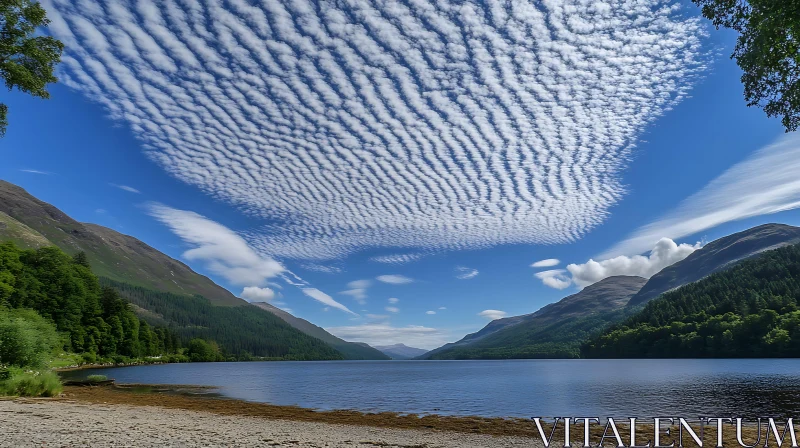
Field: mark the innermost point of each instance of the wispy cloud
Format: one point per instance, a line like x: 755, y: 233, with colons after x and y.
x: 430, y: 312
x: 358, y: 290
x: 327, y: 269
x: 126, y: 188
x: 464, y: 273
x: 394, y: 279
x: 392, y: 309
x: 45, y: 173
x: 767, y: 182
x: 398, y: 258
x: 492, y: 314
x: 228, y: 255
x: 224, y: 252
x: 393, y: 300
x: 548, y: 263
x: 386, y: 334
x: 321, y: 297
x: 416, y: 125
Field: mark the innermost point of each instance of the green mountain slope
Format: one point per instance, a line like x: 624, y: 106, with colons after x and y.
x: 237, y: 329
x: 716, y: 256
x: 22, y: 235
x: 350, y: 350
x: 749, y: 310
x: 163, y: 291
x: 555, y: 331
x: 112, y: 255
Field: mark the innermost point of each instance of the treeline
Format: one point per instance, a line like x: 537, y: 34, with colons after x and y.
x: 750, y: 310
x: 91, y: 319
x: 240, y: 331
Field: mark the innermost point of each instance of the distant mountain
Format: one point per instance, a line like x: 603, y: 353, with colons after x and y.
x: 555, y: 331
x: 401, y: 351
x: 716, y: 256
x: 350, y: 350
x: 112, y: 255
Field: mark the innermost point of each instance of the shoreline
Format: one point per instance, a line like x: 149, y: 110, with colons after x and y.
x: 203, y: 399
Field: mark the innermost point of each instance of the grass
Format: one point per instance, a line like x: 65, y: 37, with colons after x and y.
x: 63, y: 360
x: 96, y: 378
x: 22, y: 383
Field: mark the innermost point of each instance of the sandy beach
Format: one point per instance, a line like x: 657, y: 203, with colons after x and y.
x: 70, y: 423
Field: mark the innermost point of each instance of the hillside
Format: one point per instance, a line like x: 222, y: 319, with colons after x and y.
x: 555, y: 331
x: 749, y: 310
x: 22, y: 235
x: 350, y: 350
x: 401, y: 351
x: 163, y: 291
x: 112, y: 255
x: 716, y: 256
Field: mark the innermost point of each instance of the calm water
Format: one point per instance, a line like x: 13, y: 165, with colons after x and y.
x: 521, y: 388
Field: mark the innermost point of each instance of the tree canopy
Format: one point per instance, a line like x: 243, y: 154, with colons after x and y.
x: 27, y: 61
x: 767, y: 50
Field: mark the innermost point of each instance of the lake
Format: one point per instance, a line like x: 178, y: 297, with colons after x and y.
x: 513, y: 388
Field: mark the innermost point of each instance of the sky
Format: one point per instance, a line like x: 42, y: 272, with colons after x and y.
x: 403, y: 172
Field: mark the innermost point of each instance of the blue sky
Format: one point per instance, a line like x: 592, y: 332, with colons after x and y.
x: 247, y: 157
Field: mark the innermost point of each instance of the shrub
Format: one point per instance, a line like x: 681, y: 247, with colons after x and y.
x: 26, y: 338
x: 89, y: 358
x: 96, y: 378
x: 31, y: 384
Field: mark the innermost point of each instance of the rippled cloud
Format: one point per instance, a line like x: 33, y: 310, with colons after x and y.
x: 350, y: 125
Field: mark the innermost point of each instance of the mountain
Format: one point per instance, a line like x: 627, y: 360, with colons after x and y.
x: 401, y: 351
x: 750, y: 310
x: 112, y: 255
x: 716, y: 256
x: 163, y: 291
x: 350, y: 350
x: 555, y: 331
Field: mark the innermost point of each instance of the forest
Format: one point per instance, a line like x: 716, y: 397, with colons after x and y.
x: 749, y: 310
x: 241, y: 331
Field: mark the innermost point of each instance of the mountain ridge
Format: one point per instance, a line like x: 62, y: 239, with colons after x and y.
x: 716, y: 256
x: 401, y: 351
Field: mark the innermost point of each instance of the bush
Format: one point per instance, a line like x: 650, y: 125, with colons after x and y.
x: 26, y: 338
x: 96, y: 378
x: 89, y: 358
x: 31, y: 384
x: 203, y: 351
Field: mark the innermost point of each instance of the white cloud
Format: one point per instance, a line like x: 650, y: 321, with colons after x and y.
x: 554, y: 278
x: 492, y: 314
x: 224, y: 252
x: 442, y: 307
x: 395, y: 279
x: 410, y: 125
x: 227, y: 254
x: 665, y: 253
x: 464, y: 273
x: 548, y: 263
x: 100, y: 211
x: 327, y: 269
x: 256, y: 294
x: 358, y: 290
x: 398, y: 258
x: 323, y: 298
x: 766, y: 182
x: 46, y: 173
x: 393, y: 300
x: 392, y: 309
x: 386, y: 334
x: 126, y: 188
x: 430, y: 312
